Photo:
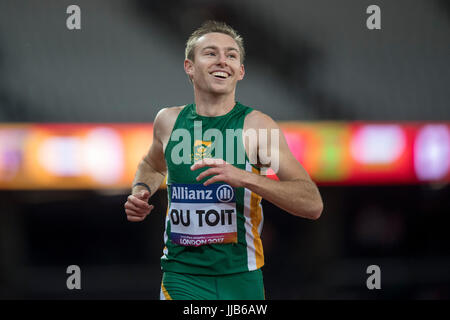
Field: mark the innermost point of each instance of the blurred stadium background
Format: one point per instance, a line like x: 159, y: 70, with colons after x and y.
x: 366, y: 112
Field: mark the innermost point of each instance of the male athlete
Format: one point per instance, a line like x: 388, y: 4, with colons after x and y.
x: 213, y: 248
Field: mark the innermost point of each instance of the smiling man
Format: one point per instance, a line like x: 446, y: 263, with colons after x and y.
x: 213, y: 152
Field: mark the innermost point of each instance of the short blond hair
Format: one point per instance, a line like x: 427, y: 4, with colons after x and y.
x: 213, y: 26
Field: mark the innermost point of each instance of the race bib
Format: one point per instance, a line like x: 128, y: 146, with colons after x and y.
x: 202, y: 215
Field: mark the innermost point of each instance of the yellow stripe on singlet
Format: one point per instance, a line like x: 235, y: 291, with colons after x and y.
x: 255, y: 218
x: 165, y: 292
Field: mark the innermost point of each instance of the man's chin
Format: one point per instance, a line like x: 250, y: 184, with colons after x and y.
x: 220, y: 90
x: 214, y: 88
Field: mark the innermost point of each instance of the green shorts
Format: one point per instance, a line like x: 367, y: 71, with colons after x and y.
x: 238, y: 286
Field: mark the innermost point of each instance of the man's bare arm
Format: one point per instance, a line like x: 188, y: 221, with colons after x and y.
x: 295, y: 192
x: 152, y: 169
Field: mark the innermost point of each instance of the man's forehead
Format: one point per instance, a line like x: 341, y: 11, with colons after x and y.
x: 216, y: 39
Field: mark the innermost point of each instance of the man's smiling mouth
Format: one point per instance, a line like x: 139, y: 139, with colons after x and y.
x: 220, y: 74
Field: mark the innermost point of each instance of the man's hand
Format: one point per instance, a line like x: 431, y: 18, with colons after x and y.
x: 137, y: 207
x: 221, y: 171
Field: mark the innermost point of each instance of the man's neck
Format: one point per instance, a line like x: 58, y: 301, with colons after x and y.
x: 214, y: 105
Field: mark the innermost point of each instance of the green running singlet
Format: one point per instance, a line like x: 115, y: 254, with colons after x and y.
x: 213, y: 248
x: 213, y: 230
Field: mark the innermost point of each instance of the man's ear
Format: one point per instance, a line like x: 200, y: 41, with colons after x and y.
x: 189, y: 68
x: 241, y: 72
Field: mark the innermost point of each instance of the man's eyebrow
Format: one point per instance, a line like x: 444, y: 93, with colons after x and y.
x: 215, y: 48
x: 209, y: 47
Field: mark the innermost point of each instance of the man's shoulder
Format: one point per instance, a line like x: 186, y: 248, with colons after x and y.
x: 170, y: 111
x: 168, y: 115
x: 165, y: 121
x: 257, y: 119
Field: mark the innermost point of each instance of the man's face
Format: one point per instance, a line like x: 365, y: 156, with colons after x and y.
x: 217, y: 65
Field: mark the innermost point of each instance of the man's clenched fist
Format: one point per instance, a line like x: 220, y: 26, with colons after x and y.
x: 137, y: 207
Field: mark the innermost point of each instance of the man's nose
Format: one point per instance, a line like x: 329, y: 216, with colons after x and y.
x: 222, y: 59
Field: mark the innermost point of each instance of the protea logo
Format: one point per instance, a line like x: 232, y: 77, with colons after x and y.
x: 202, y: 150
x: 225, y: 193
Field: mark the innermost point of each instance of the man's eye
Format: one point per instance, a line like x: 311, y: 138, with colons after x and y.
x: 210, y: 54
x: 232, y: 56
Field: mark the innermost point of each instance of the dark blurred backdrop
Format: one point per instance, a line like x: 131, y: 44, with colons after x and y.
x: 306, y: 61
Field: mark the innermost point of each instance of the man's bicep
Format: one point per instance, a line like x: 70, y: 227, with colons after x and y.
x: 287, y: 166
x: 291, y: 169
x: 161, y: 126
x: 155, y: 157
x: 273, y: 150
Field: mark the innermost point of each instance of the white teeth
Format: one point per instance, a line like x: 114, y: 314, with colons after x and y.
x: 220, y: 74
